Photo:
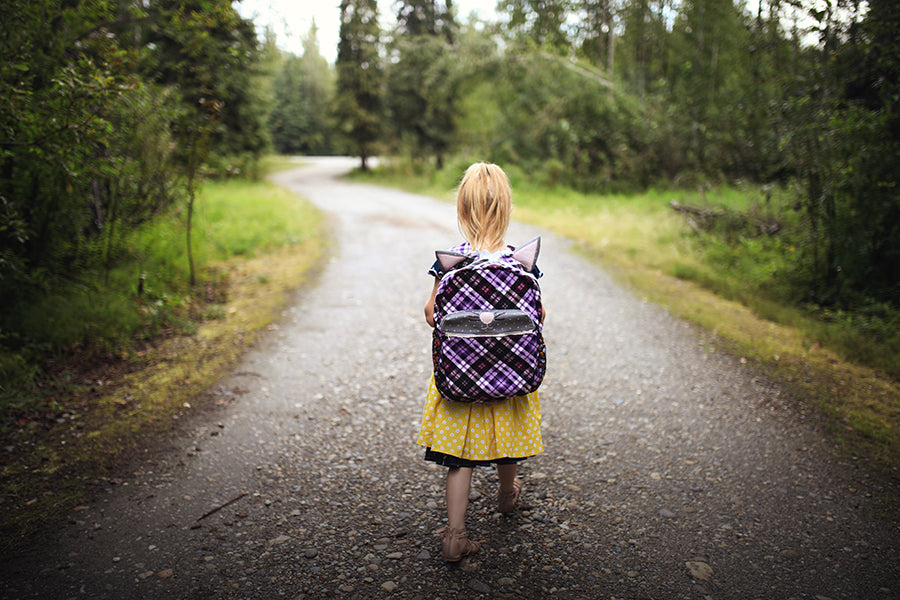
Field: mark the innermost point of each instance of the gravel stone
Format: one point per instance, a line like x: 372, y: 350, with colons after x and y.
x: 699, y: 570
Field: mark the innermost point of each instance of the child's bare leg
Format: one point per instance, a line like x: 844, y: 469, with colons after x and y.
x: 459, y: 480
x: 510, y: 487
x: 507, y: 475
x: 456, y: 543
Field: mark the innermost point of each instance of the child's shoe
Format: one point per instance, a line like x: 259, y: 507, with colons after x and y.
x: 506, y: 501
x: 456, y: 544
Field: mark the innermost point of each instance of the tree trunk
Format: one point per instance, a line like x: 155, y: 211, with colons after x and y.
x: 110, y: 233
x: 190, y: 218
x: 610, y: 45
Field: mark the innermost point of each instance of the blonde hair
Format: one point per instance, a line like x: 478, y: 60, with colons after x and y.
x: 483, y: 206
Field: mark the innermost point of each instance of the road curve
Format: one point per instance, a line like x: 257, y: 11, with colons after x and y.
x: 671, y: 470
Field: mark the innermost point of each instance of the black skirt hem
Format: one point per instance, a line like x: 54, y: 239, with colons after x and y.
x: 453, y: 462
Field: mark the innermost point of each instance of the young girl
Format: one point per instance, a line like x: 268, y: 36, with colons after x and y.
x: 462, y: 436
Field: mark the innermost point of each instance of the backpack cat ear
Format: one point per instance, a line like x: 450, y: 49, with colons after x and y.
x: 527, y: 253
x: 449, y: 260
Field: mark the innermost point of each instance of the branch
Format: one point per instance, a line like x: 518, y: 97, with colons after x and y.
x: 221, y: 506
x: 580, y: 70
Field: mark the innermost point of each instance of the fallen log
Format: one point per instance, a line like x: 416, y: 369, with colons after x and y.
x: 706, y: 218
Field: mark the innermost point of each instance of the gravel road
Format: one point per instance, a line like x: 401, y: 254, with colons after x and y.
x: 671, y: 470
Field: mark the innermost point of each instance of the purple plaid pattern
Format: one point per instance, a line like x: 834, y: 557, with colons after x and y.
x: 487, y: 369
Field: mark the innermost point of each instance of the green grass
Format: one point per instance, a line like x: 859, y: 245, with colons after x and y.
x: 238, y: 225
x: 736, y: 286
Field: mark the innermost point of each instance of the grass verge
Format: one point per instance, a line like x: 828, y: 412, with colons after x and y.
x: 77, y: 434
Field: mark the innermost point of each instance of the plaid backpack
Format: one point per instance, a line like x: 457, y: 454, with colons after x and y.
x: 488, y: 343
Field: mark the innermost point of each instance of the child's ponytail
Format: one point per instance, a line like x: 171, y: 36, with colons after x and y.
x: 483, y: 206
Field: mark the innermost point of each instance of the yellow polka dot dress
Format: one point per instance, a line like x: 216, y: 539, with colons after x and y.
x: 509, y: 429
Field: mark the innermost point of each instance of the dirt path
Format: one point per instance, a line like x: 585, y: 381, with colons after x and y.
x: 671, y: 471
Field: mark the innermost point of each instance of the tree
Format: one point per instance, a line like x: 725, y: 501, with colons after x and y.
x: 842, y: 137
x: 422, y: 87
x: 304, y: 89
x: 358, y: 108
x: 203, y: 48
x: 771, y: 67
x: 66, y: 175
x: 597, y: 32
x: 645, y: 45
x: 708, y: 46
x: 544, y: 22
x: 426, y: 18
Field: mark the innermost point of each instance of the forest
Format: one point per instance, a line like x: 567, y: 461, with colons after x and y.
x: 114, y: 112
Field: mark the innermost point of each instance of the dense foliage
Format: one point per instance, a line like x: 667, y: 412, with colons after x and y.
x: 358, y: 106
x: 108, y: 110
x: 422, y: 84
x: 603, y: 95
x: 301, y: 122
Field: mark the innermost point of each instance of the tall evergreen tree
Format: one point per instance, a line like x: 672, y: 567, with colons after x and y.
x: 644, y: 45
x: 303, y: 89
x: 426, y: 17
x: 841, y: 127
x: 359, y: 78
x: 318, y: 89
x: 422, y: 89
x: 708, y: 47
